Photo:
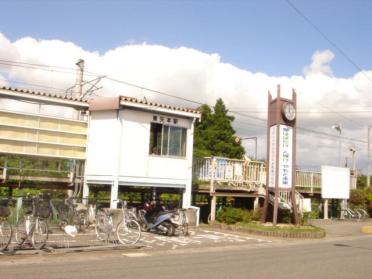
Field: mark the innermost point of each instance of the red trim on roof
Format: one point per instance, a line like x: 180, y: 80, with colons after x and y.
x: 44, y: 94
x: 144, y: 102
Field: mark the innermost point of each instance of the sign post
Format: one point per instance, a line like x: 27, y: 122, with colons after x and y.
x: 281, y: 154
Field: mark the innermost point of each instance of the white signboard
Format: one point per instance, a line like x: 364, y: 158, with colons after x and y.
x: 306, y: 205
x: 335, y: 182
x: 272, y: 157
x: 285, y: 156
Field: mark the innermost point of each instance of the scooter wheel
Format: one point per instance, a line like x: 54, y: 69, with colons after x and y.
x: 170, y: 228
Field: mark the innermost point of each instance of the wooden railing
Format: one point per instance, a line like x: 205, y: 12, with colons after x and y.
x: 229, y: 170
x: 232, y: 172
x: 308, y: 181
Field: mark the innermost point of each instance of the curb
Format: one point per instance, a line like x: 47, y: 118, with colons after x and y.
x: 297, y: 235
x: 366, y: 229
x: 50, y: 250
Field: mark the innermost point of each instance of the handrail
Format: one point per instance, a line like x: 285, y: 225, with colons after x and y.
x: 246, y: 172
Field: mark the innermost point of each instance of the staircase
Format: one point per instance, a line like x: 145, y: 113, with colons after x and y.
x: 285, y: 200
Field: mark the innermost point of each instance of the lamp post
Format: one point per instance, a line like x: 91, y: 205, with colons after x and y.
x: 353, y: 171
x: 369, y: 156
x: 338, y: 128
x: 255, y: 144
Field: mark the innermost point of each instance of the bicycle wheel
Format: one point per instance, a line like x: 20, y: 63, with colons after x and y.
x: 81, y: 220
x: 39, y: 234
x: 101, y: 227
x: 128, y: 232
x: 185, y: 229
x: 21, y: 231
x: 5, y: 234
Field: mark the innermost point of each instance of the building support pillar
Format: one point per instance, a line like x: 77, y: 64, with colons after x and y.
x: 186, y: 197
x: 85, y: 192
x: 114, y: 194
x: 325, y: 209
x: 213, y: 208
x: 256, y: 203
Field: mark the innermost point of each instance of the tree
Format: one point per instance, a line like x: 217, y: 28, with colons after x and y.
x: 214, y: 134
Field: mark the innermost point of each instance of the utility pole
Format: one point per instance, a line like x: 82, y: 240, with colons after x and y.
x: 79, y: 79
x: 353, y: 171
x: 338, y: 128
x: 368, y: 156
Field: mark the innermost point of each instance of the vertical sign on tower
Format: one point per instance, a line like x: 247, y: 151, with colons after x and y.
x: 285, y: 157
x: 272, y: 157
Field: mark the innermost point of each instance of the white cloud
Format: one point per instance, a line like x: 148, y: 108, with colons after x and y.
x: 3, y: 81
x: 192, y: 74
x: 320, y: 63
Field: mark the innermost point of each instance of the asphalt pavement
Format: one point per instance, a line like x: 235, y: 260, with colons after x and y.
x: 344, y: 253
x: 342, y: 258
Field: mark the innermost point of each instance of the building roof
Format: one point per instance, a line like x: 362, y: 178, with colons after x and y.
x: 101, y: 102
x: 28, y: 93
x: 152, y: 104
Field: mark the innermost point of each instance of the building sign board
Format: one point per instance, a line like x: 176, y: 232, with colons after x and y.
x: 285, y: 156
x: 335, y: 182
x: 272, y: 157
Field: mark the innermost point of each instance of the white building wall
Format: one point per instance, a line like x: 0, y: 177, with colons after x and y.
x: 103, y: 142
x: 129, y: 163
x: 137, y: 162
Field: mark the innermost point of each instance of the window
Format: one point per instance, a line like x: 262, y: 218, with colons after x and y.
x: 167, y: 140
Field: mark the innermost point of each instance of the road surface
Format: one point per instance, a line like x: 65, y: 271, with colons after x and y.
x: 333, y: 258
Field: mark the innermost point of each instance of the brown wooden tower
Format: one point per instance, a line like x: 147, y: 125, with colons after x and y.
x: 281, y: 155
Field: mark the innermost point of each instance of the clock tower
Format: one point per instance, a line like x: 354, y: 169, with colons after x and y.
x: 281, y: 155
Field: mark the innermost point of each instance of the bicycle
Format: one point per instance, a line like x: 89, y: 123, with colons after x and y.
x: 71, y: 213
x: 350, y: 214
x: 180, y: 219
x: 127, y: 231
x: 364, y: 215
x: 6, y: 231
x: 33, y: 225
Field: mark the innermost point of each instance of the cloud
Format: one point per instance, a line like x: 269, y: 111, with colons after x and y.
x: 3, y: 81
x: 320, y: 63
x: 323, y: 99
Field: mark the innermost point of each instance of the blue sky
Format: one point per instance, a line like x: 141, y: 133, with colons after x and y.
x: 261, y: 36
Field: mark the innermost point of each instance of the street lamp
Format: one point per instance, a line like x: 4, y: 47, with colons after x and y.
x: 353, y: 171
x: 338, y: 128
x: 369, y: 156
x: 255, y: 144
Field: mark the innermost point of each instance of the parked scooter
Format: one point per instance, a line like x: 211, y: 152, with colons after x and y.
x: 156, y: 218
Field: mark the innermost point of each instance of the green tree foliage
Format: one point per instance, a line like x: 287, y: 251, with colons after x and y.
x: 358, y: 198
x: 214, y: 134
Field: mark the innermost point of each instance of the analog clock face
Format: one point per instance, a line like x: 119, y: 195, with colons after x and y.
x: 289, y: 112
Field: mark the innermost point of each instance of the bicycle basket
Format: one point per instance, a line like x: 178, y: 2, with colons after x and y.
x: 43, y: 211
x: 27, y: 206
x: 4, y: 202
x: 4, y: 211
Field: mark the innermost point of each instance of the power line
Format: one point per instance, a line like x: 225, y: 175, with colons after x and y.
x: 34, y: 85
x: 307, y: 112
x: 34, y: 64
x: 308, y: 130
x: 154, y: 91
x: 312, y: 24
x: 172, y: 96
x: 340, y: 50
x: 49, y: 68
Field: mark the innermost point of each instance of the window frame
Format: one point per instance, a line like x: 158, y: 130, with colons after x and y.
x: 166, y: 130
